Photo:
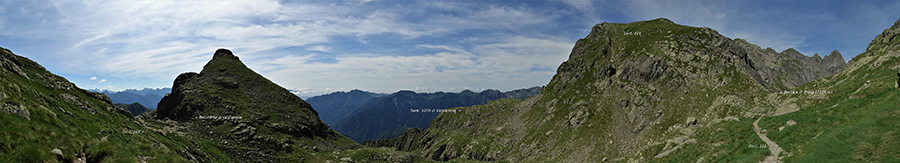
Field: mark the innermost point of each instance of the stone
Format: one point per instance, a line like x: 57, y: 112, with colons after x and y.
x: 16, y: 109
x: 57, y: 152
x: 691, y: 121
x: 790, y: 123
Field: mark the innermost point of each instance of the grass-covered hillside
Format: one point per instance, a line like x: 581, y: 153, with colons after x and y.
x: 643, y: 91
x: 46, y: 118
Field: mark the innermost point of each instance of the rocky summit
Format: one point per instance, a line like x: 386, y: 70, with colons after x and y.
x: 250, y: 117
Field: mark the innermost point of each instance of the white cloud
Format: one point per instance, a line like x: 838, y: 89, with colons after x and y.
x: 136, y: 40
x: 693, y: 13
x: 319, y: 48
x: 94, y: 78
x: 779, y: 41
x: 486, y: 66
x: 728, y: 21
x: 583, y: 5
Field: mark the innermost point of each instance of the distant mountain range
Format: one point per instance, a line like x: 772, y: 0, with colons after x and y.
x: 363, y: 115
x: 338, y: 105
x: 147, y: 97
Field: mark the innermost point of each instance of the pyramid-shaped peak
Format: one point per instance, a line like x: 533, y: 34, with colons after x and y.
x: 835, y: 52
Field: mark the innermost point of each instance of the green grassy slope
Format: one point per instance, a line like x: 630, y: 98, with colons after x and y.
x: 655, y: 91
x: 625, y: 94
x: 856, y: 119
x: 41, y: 112
x: 76, y: 127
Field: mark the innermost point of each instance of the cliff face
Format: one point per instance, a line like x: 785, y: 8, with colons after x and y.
x: 626, y: 90
x: 257, y: 118
x: 790, y: 68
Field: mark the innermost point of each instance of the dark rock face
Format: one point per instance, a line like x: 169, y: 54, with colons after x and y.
x: 227, y: 94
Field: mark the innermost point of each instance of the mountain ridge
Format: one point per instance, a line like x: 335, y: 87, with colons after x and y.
x: 627, y: 92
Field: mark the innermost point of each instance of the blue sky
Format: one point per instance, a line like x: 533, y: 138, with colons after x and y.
x: 317, y: 47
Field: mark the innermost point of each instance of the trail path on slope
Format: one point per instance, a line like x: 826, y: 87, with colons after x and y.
x: 773, y: 148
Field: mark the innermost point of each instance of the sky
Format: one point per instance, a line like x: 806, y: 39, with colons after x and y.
x: 317, y: 47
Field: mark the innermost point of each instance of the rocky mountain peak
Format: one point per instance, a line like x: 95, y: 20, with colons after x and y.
x: 225, y: 53
x: 834, y: 57
x: 791, y: 51
x: 228, y: 101
x: 887, y: 37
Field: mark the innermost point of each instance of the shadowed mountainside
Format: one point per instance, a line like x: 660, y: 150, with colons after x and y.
x: 135, y: 108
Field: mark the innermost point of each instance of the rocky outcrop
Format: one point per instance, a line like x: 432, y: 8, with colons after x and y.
x: 887, y: 38
x: 16, y: 109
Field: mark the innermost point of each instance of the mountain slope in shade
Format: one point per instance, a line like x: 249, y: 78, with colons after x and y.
x: 344, y: 107
x: 135, y: 108
x: 338, y: 105
x: 407, y: 109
